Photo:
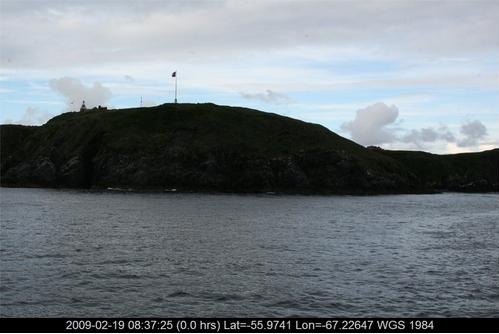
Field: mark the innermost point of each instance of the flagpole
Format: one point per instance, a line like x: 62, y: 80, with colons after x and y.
x: 175, y: 86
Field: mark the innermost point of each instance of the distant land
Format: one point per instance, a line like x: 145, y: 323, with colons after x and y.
x: 211, y: 148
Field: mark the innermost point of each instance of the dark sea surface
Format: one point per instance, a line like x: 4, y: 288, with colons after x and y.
x: 97, y: 254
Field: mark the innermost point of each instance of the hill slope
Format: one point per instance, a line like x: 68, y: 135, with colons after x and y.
x: 205, y: 147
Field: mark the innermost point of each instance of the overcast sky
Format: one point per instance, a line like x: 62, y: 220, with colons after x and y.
x: 401, y: 74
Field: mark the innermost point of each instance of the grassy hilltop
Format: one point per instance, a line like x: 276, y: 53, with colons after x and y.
x: 206, y: 147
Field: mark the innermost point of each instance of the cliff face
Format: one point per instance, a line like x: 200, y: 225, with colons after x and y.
x: 205, y: 147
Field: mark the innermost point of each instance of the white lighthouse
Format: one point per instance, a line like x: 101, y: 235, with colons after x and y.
x: 83, y: 107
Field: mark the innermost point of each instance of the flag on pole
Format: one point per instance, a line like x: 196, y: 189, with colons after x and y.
x: 174, y: 75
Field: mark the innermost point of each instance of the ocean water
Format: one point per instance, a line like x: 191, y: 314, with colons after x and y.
x: 100, y: 254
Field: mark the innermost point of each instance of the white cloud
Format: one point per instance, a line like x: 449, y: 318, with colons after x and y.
x: 74, y: 91
x: 268, y: 97
x: 473, y: 131
x: 370, y: 124
x: 149, y: 103
x: 31, y: 116
x: 428, y: 135
x: 422, y: 135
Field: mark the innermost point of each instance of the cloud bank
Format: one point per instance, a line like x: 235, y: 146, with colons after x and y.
x: 373, y: 125
x: 123, y: 31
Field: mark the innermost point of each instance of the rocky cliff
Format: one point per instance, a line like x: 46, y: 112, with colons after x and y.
x: 205, y: 147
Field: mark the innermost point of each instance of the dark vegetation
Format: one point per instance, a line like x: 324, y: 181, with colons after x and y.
x: 205, y: 147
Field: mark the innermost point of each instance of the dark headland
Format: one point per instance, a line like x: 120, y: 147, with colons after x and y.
x: 206, y: 147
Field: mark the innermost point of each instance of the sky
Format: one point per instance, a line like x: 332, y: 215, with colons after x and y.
x: 399, y: 74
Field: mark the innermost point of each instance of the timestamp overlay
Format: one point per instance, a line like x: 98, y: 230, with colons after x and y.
x: 252, y: 325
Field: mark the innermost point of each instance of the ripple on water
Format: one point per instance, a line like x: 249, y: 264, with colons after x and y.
x: 179, y: 294
x: 226, y: 255
x: 47, y: 256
